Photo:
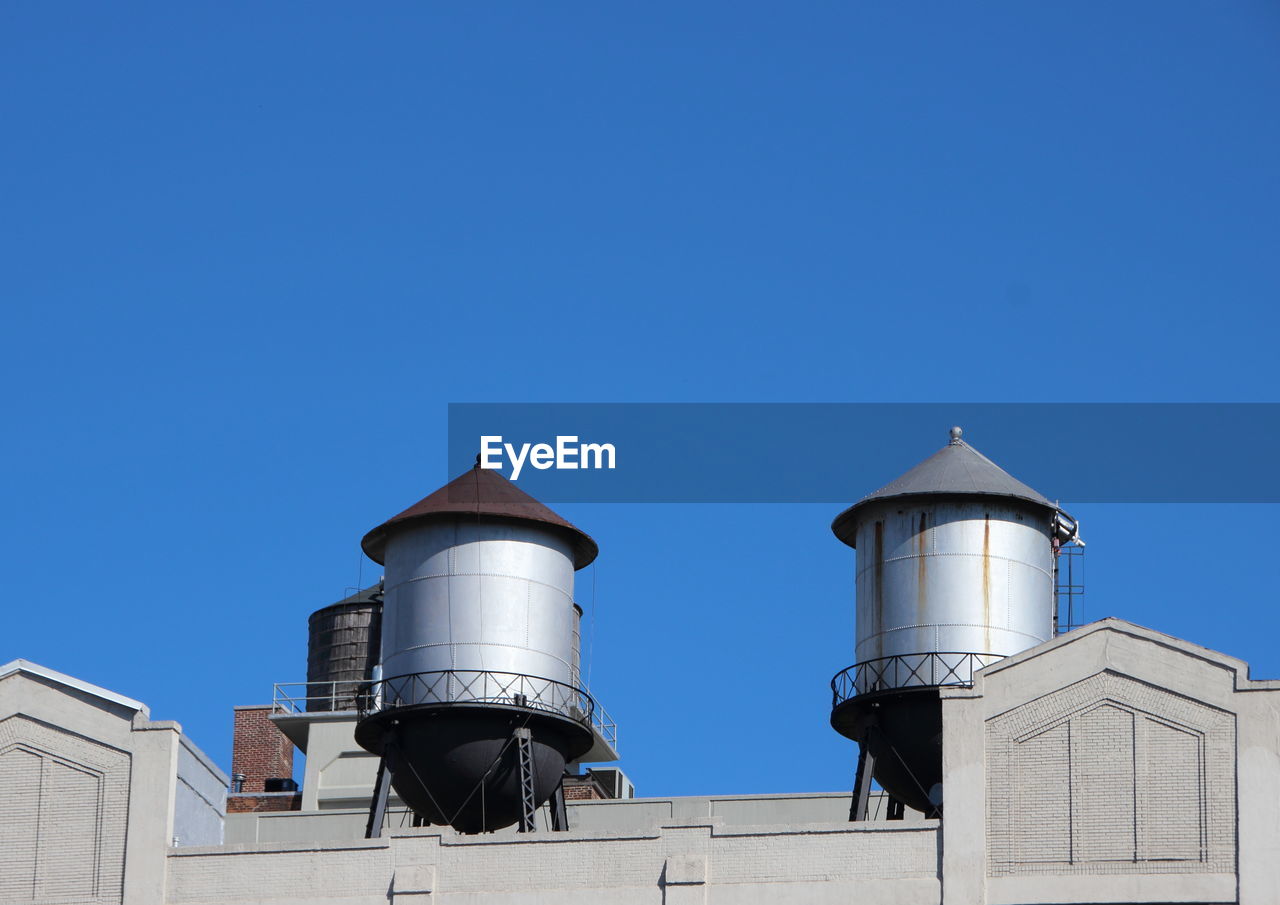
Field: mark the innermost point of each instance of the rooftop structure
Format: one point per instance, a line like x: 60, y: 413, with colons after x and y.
x: 1110, y: 764
x: 956, y: 566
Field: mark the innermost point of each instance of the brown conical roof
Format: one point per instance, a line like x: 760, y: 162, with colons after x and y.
x: 481, y: 492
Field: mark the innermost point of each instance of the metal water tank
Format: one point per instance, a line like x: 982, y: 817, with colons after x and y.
x: 478, y: 641
x: 955, y: 570
x: 343, y: 647
x: 467, y: 593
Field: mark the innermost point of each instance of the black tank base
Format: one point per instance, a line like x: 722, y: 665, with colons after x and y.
x: 458, y: 764
x: 902, y: 729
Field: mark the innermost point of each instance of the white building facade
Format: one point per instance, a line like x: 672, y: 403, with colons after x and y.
x: 1113, y: 764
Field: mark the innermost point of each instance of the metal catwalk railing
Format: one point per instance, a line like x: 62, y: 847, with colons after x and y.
x: 908, y: 671
x: 301, y: 697
x: 447, y: 686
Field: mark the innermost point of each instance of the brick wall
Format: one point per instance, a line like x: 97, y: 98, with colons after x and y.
x: 249, y: 803
x: 1111, y: 775
x: 64, y: 805
x: 582, y: 788
x: 260, y: 751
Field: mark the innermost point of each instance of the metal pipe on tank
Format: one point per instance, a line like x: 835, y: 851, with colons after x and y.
x: 576, y: 670
x: 1066, y: 529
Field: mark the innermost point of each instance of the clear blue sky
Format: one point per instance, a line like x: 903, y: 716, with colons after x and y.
x: 250, y: 252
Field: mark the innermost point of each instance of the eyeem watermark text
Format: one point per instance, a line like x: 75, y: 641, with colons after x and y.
x: 566, y: 454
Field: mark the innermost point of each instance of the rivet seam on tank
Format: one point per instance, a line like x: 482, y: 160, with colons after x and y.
x: 479, y: 644
x: 475, y: 644
x: 926, y: 625
x: 899, y: 628
x: 956, y: 553
x: 907, y: 628
x: 992, y: 556
x: 486, y: 575
x: 1008, y: 593
x: 448, y: 593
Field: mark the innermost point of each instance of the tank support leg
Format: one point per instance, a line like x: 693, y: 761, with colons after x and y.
x: 528, y: 798
x: 378, y: 804
x: 559, y: 813
x: 862, y: 784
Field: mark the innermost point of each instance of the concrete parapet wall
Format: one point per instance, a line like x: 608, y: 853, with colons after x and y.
x: 705, y: 862
x: 609, y: 815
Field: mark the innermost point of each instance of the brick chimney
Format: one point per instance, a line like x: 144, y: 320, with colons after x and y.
x: 260, y: 752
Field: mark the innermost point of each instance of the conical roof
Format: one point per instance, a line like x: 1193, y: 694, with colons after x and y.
x: 955, y: 470
x: 481, y: 492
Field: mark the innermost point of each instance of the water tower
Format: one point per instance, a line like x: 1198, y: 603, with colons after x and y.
x: 955, y: 570
x: 343, y: 646
x: 478, y: 709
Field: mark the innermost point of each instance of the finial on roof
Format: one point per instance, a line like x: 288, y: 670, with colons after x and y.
x: 477, y: 465
x: 955, y: 435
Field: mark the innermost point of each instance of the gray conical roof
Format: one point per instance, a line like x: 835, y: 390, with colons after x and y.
x: 955, y: 470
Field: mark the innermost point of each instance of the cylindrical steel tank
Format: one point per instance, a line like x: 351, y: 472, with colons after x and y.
x: 952, y: 575
x: 343, y: 647
x: 479, y: 642
x: 467, y: 595
x: 955, y: 569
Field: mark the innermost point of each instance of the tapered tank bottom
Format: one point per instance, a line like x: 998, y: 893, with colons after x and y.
x: 902, y: 729
x: 458, y: 764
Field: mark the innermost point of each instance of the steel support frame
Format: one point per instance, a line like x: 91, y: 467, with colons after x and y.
x: 862, y: 785
x: 378, y: 804
x: 559, y: 813
x: 528, y: 795
x: 894, y: 809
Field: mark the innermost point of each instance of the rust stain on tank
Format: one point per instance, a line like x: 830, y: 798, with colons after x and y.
x: 921, y: 571
x: 986, y: 582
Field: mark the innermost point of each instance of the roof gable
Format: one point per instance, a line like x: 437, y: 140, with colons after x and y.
x: 53, y: 677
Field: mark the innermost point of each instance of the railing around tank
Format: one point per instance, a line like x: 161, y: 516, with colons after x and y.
x: 301, y: 697
x: 604, y: 726
x: 478, y: 686
x: 908, y: 671
x: 446, y: 687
